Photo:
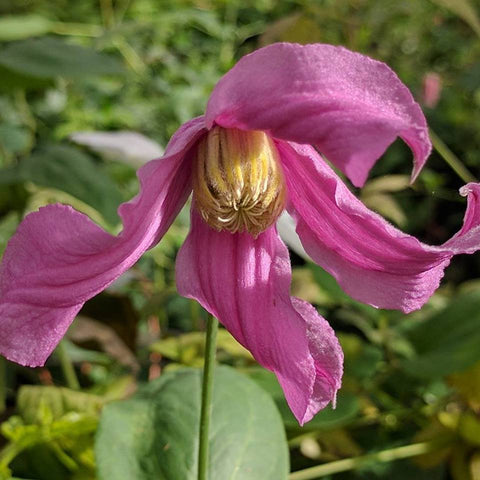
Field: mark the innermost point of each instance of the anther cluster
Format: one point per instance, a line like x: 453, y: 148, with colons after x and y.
x: 238, y: 182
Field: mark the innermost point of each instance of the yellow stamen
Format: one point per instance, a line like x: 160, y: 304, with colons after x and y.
x: 238, y: 182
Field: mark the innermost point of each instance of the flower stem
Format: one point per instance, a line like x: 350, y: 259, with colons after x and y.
x: 453, y: 161
x: 67, y: 367
x: 389, y: 455
x: 207, y: 388
x: 3, y: 385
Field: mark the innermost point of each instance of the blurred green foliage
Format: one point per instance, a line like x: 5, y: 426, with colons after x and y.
x: 148, y: 66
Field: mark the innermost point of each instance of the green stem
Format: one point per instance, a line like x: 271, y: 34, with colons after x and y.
x: 207, y: 388
x: 3, y: 385
x: 347, y: 464
x: 195, y: 314
x: 453, y: 161
x: 130, y: 55
x: 108, y: 15
x: 121, y: 9
x: 67, y: 367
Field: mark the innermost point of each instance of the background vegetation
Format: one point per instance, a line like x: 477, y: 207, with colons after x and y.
x: 147, y: 66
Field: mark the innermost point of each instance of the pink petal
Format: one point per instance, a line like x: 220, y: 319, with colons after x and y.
x: 346, y: 104
x: 59, y: 258
x: 245, y: 282
x: 372, y: 260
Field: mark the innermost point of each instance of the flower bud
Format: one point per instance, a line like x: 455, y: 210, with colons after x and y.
x: 238, y: 182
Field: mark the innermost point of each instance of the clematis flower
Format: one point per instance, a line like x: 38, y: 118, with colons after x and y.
x: 253, y: 154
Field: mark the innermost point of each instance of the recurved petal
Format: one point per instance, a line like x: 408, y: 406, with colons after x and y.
x: 59, y: 258
x: 373, y: 261
x: 245, y: 282
x: 349, y: 106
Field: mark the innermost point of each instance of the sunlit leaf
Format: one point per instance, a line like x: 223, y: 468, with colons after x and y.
x: 387, y: 183
x: 18, y: 27
x: 387, y: 206
x: 57, y: 399
x: 469, y: 428
x: 188, y: 348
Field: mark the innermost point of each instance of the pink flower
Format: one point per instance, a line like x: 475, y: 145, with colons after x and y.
x: 250, y: 156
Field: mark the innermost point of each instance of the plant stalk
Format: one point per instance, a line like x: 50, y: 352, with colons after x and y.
x: 107, y: 12
x: 347, y: 464
x: 207, y: 389
x: 452, y: 160
x: 67, y: 367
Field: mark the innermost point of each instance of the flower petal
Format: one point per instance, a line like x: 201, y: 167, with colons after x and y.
x: 372, y: 260
x: 349, y: 106
x: 59, y: 258
x: 245, y: 282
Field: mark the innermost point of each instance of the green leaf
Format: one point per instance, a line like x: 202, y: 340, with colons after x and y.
x: 19, y: 27
x: 47, y: 58
x: 14, y: 139
x: 447, y: 341
x: 43, y: 449
x: 153, y: 435
x: 58, y: 400
x: 67, y: 169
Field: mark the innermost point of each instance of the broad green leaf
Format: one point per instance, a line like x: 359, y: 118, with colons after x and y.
x: 447, y: 341
x: 18, y: 27
x: 153, y: 435
x: 48, y: 57
x: 346, y: 409
x: 58, y: 400
x: 67, y: 169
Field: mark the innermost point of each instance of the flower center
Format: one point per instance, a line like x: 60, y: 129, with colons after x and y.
x: 238, y: 183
